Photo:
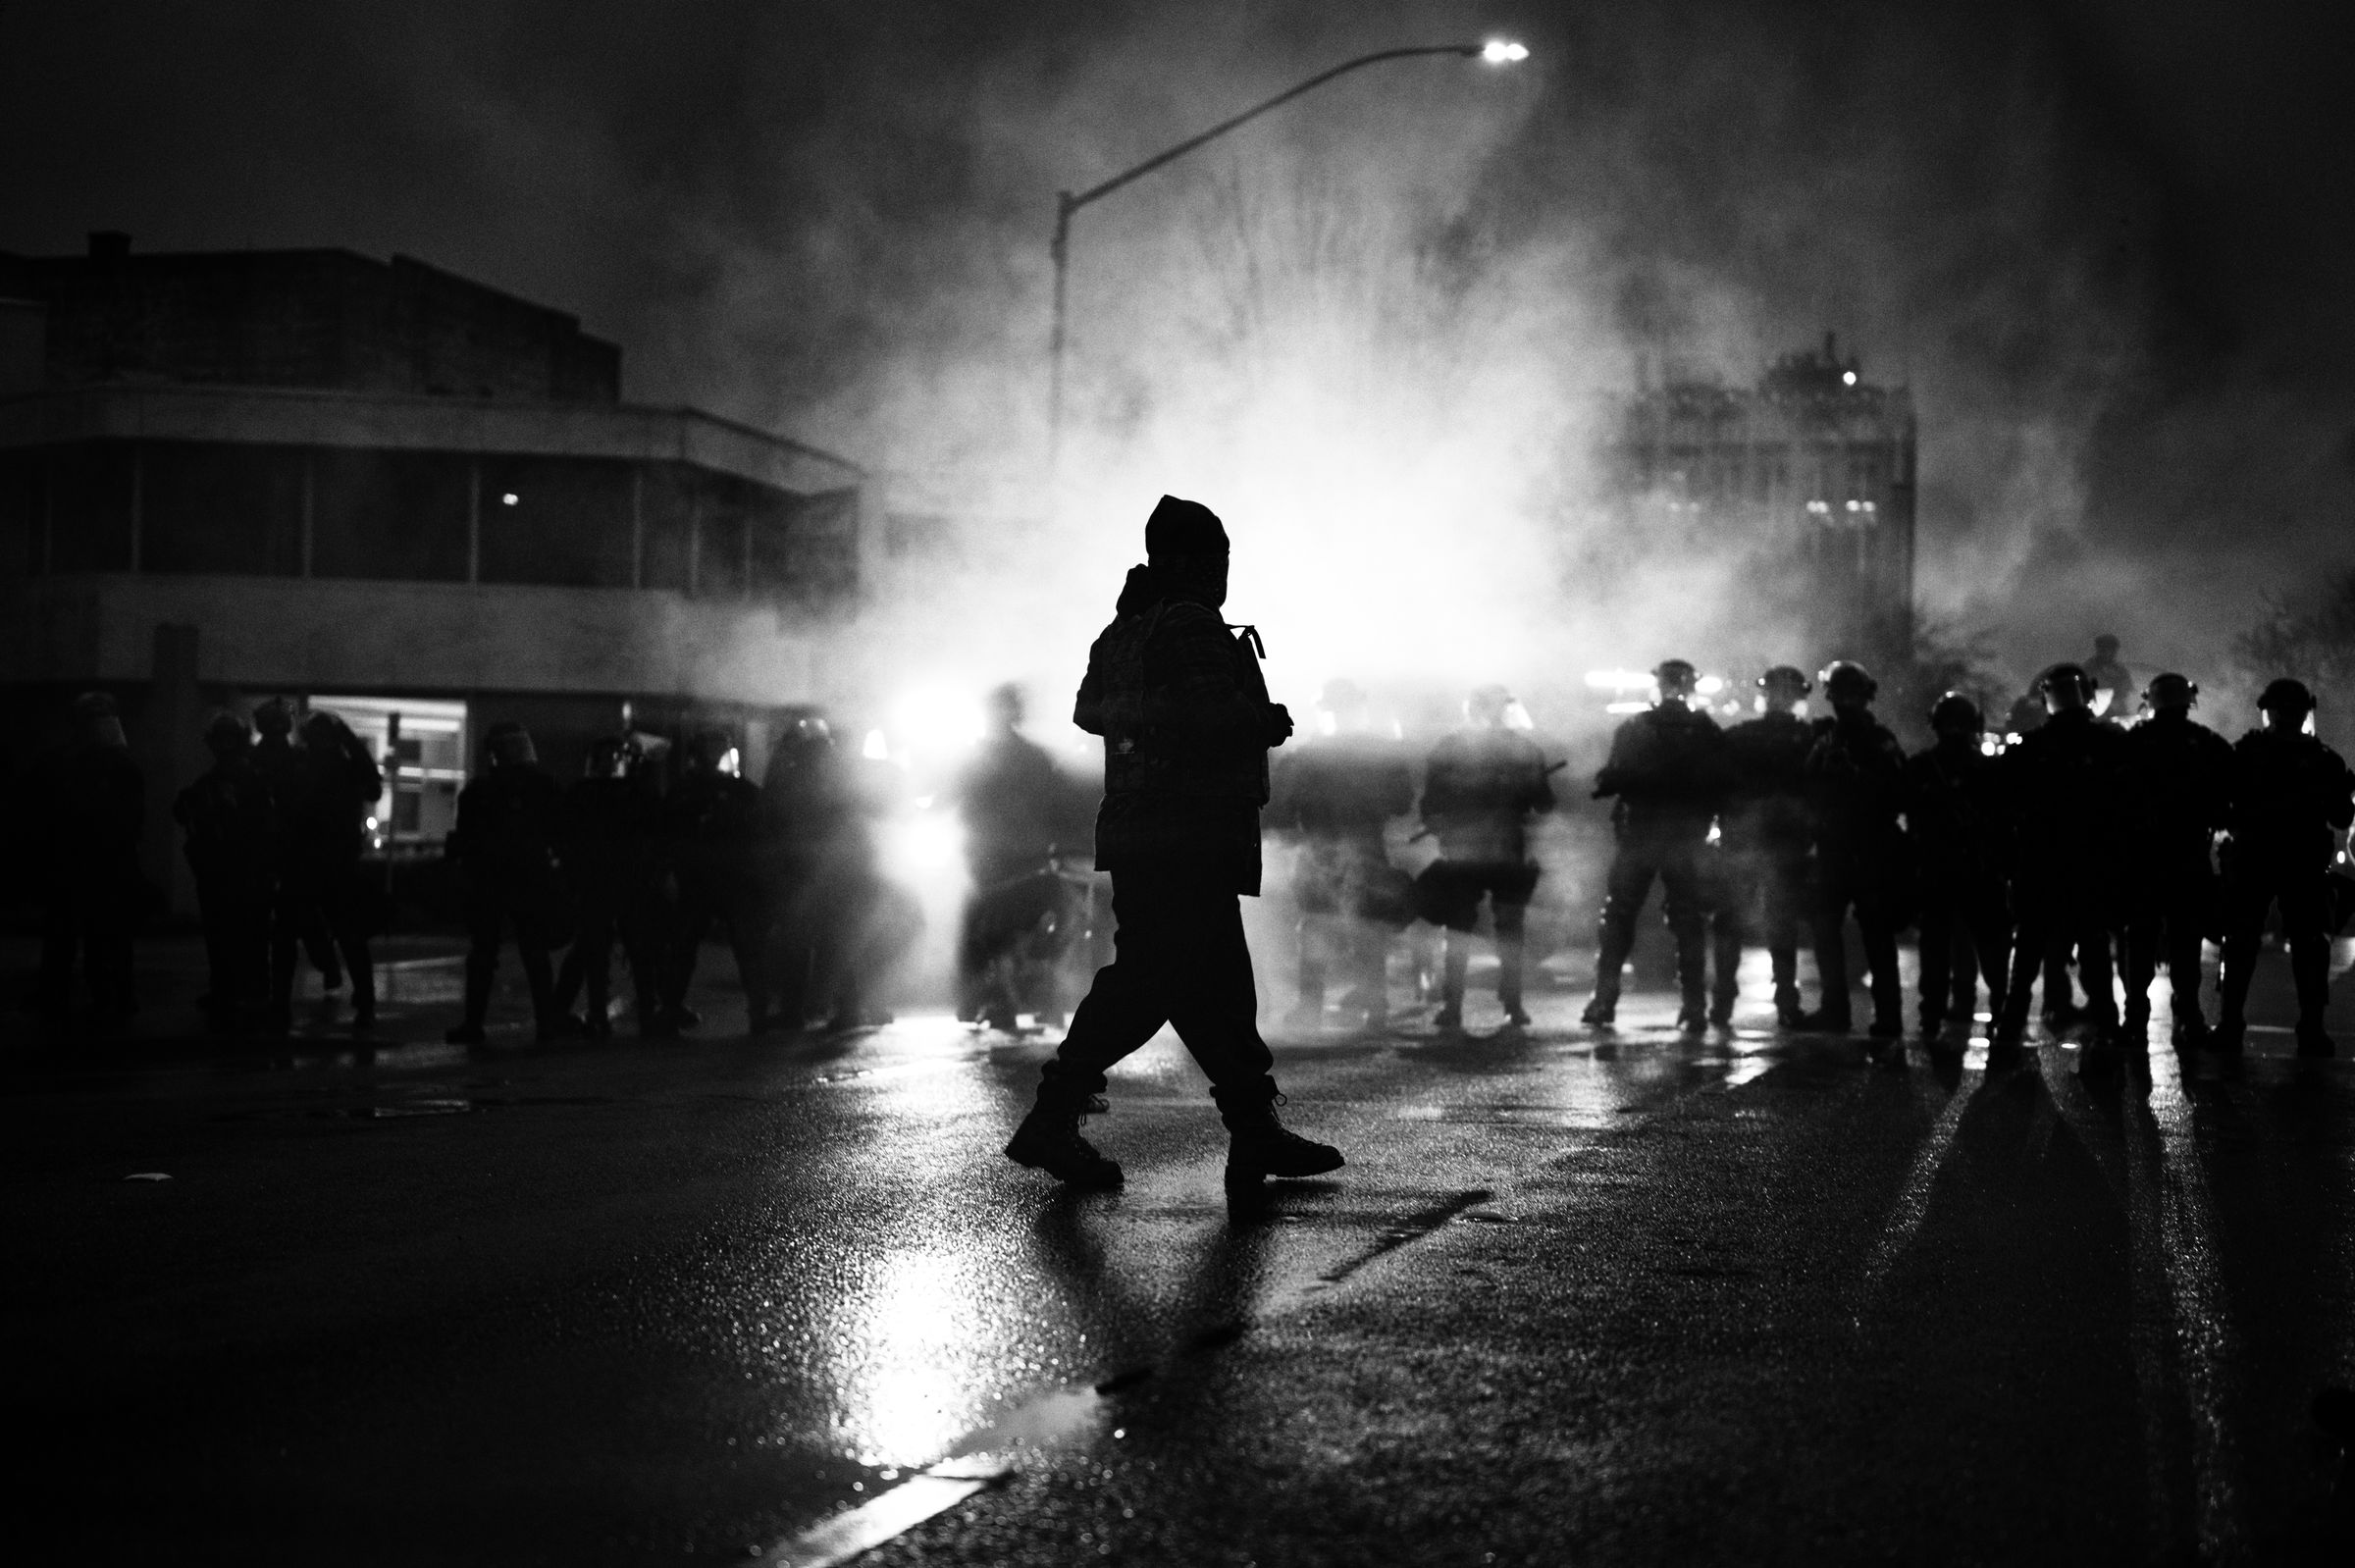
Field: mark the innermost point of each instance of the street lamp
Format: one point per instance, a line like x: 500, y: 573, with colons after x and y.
x: 1495, y: 52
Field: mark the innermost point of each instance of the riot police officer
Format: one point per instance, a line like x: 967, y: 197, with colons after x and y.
x: 609, y: 851
x: 1955, y: 816
x: 1669, y: 769
x: 711, y: 831
x: 1764, y: 836
x: 2064, y: 783
x: 1188, y: 726
x: 510, y: 821
x: 1855, y: 791
x: 1480, y: 787
x: 228, y: 819
x: 1334, y: 796
x: 1015, y: 805
x: 2288, y: 792
x: 341, y: 782
x: 2180, y: 775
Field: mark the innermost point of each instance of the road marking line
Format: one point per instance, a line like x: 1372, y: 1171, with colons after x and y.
x: 1914, y: 1199
x: 895, y: 1512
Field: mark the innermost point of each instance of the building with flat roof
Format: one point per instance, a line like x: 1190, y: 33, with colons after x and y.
x: 226, y: 476
x: 1807, y: 479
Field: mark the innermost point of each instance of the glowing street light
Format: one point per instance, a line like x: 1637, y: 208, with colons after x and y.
x: 1495, y: 52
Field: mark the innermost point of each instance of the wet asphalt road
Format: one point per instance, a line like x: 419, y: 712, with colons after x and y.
x: 1577, y: 1298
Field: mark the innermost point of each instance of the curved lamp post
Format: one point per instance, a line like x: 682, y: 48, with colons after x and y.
x: 1494, y: 52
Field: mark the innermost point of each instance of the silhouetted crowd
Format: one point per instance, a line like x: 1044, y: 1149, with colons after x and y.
x: 2081, y: 844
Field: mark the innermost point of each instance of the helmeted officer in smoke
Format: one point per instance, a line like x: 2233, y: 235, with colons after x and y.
x: 326, y: 839
x: 1334, y: 796
x: 2064, y: 783
x: 2288, y: 792
x: 1764, y: 837
x: 2180, y: 773
x: 1856, y: 789
x: 609, y: 852
x: 1962, y: 838
x: 1481, y: 786
x: 228, y: 821
x: 1669, y: 769
x: 711, y: 831
x: 1188, y: 727
x: 1015, y: 804
x: 510, y: 822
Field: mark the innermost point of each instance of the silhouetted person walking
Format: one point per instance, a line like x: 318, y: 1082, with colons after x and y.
x: 2288, y: 791
x: 1188, y: 726
x: 1855, y: 791
x: 2179, y: 776
x: 2065, y: 784
x: 1669, y: 769
x: 92, y: 804
x: 1480, y: 787
x: 1764, y: 837
x: 1962, y: 838
x: 510, y: 819
x: 229, y: 824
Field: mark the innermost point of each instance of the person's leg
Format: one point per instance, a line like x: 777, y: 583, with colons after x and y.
x: 2144, y: 934
x: 485, y: 917
x: 531, y: 951
x: 2305, y: 931
x: 1876, y: 920
x: 1685, y: 894
x: 591, y: 960
x: 748, y: 938
x: 2188, y: 904
x: 1509, y: 899
x: 1785, y: 907
x: 1988, y: 915
x: 1623, y: 891
x: 1833, y: 896
x: 1937, y: 923
x: 347, y: 925
x: 1733, y: 901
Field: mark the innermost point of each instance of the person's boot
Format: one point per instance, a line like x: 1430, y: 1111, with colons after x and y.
x: 1826, y: 1020
x: 1452, y: 965
x: 1510, y: 954
x: 477, y: 1004
x: 1694, y: 1016
x: 1260, y: 1146
x: 1789, y: 1011
x: 1049, y: 1140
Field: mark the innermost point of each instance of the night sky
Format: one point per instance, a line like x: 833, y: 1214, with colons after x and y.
x: 2110, y: 247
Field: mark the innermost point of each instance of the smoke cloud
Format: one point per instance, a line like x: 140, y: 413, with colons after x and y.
x: 1380, y: 331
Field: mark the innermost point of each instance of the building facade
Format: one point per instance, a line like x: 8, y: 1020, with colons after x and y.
x: 390, y: 490
x: 1808, y: 478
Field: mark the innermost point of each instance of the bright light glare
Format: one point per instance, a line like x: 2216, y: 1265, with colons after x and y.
x: 1709, y: 685
x: 1619, y: 680
x: 1848, y: 378
x: 507, y: 498
x: 878, y: 748
x: 919, y: 848
x: 938, y: 718
x: 1627, y: 708
x: 1500, y: 52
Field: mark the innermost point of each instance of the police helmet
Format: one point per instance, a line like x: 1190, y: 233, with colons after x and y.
x: 1676, y: 675
x: 1955, y: 713
x: 275, y: 717
x: 1786, y: 680
x: 2067, y: 678
x: 2286, y: 696
x: 226, y: 734
x: 1844, y: 679
x: 1487, y: 704
x: 2171, y: 691
x: 508, y: 743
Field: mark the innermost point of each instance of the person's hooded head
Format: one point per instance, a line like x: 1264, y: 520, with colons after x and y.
x: 2170, y: 695
x: 226, y: 737
x: 1186, y: 551
x: 2067, y: 689
x: 2285, y: 705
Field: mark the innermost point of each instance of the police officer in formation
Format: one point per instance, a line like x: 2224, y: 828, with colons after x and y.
x: 1335, y: 796
x: 607, y: 846
x: 230, y: 825
x: 507, y: 842
x: 1765, y: 833
x: 2182, y: 773
x: 711, y: 829
x: 2288, y: 791
x: 1481, y: 786
x: 2064, y: 783
x: 335, y: 782
x: 1669, y: 769
x: 1961, y: 850
x: 1855, y: 777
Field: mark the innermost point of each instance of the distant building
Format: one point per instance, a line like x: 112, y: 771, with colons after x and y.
x: 393, y: 491
x: 1807, y: 477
